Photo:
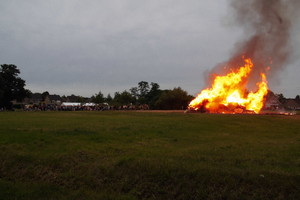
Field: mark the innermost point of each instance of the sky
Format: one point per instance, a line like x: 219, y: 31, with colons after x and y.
x: 82, y: 47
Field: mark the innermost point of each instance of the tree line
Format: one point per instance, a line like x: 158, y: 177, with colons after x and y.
x: 12, y: 87
x: 150, y: 94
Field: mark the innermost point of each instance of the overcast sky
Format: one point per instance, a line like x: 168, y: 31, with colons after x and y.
x: 83, y: 47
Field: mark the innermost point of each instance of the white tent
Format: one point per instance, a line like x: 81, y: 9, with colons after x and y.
x: 70, y: 104
x: 89, y: 104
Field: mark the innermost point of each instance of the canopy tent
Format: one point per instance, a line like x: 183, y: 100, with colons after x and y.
x: 70, y: 104
x: 89, y: 104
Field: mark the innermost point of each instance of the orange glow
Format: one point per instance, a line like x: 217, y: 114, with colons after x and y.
x: 228, y: 93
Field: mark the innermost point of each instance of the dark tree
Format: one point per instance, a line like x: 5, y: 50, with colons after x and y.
x: 11, y: 86
x: 297, y: 99
x: 153, y: 95
x: 45, y: 95
x: 143, y: 88
x: 281, y: 98
x: 123, y: 98
x: 176, y: 99
x: 75, y: 98
x: 98, y: 98
x: 108, y: 99
x: 134, y: 91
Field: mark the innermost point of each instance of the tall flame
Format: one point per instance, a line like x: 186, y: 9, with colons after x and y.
x: 228, y: 93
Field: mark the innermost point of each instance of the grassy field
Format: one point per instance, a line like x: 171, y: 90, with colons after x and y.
x: 148, y: 155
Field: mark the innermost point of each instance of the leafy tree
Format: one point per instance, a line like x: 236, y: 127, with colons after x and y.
x: 116, y: 98
x: 297, y: 99
x: 11, y: 86
x: 176, y: 99
x: 281, y: 98
x: 153, y: 95
x: 108, y: 99
x: 45, y: 95
x: 73, y: 98
x: 143, y: 89
x: 134, y: 91
x: 82, y: 99
x: 143, y: 94
x: 154, y: 87
x: 98, y: 98
x: 123, y: 98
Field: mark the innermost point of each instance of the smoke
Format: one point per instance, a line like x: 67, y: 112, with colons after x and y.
x: 267, y: 25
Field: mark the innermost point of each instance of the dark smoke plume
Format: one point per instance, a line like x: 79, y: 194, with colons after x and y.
x: 267, y: 25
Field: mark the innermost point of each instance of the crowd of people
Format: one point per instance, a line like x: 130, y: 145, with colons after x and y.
x: 104, y: 107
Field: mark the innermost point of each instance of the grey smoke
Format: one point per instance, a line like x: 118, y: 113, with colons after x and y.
x: 267, y: 27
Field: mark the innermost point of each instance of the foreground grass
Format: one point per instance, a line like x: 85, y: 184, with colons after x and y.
x: 132, y: 155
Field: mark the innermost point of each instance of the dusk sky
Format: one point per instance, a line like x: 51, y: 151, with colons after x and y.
x: 83, y: 47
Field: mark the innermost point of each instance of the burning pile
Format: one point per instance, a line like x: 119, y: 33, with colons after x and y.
x: 228, y: 93
x: 266, y: 49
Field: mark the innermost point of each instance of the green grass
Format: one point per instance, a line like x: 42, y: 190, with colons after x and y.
x: 136, y: 155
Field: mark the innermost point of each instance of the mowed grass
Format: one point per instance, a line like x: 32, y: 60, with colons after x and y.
x: 148, y: 155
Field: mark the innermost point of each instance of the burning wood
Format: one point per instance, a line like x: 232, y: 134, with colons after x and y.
x: 228, y: 93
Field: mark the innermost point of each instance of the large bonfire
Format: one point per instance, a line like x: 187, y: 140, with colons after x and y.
x: 267, y: 26
x: 228, y: 93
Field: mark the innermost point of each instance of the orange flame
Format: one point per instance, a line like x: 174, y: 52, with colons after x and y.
x: 228, y: 93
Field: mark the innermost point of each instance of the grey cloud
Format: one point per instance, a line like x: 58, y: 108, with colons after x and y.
x: 85, y: 46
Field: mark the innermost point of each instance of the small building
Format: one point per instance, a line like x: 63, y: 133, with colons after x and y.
x: 291, y: 104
